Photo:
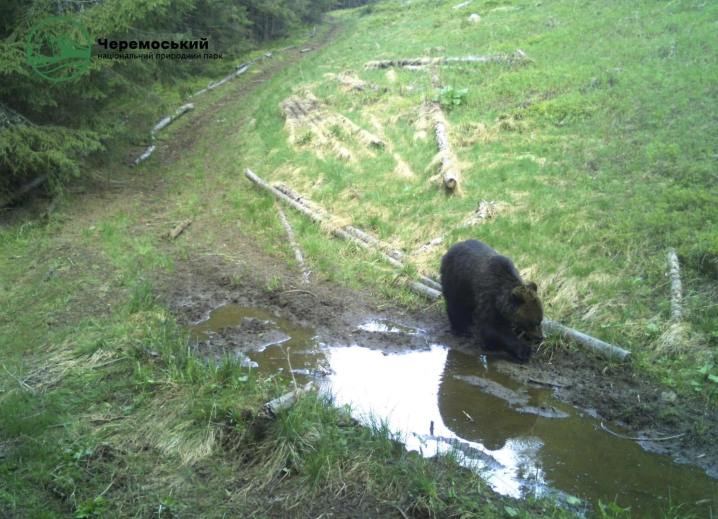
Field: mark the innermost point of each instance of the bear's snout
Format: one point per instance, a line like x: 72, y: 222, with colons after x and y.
x: 535, y: 333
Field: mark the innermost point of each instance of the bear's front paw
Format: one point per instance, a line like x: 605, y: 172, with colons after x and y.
x: 524, y: 351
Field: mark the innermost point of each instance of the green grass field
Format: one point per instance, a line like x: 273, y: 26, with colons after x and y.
x: 599, y: 148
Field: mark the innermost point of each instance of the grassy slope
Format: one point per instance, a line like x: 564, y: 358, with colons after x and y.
x: 590, y: 227
x: 616, y: 98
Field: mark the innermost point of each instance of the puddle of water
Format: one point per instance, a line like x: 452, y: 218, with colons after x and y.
x: 522, y: 439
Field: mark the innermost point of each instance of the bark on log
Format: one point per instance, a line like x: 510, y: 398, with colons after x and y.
x: 293, y: 243
x: 286, y: 401
x: 674, y: 273
x: 449, y: 172
x: 394, y: 253
x: 144, y: 156
x: 602, y: 348
x: 178, y: 230
x: 303, y: 200
x: 24, y: 189
x: 170, y: 118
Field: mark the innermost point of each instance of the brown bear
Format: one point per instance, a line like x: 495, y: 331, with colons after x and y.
x: 487, y: 298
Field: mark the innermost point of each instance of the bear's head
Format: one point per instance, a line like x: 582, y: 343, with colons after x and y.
x: 527, y: 310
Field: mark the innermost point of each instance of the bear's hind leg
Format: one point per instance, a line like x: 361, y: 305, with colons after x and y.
x: 460, y: 319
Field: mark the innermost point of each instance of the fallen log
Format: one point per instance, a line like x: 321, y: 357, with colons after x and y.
x: 341, y: 233
x: 170, y: 118
x: 241, y: 69
x: 602, y: 348
x: 462, y: 4
x: 306, y: 50
x: 394, y: 253
x: 286, y: 401
x: 293, y: 243
x: 144, y: 156
x: 449, y: 171
x: 421, y: 62
x: 674, y: 274
x: 24, y: 189
x: 178, y: 230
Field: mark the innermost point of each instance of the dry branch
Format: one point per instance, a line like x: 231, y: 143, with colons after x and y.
x: 341, y: 233
x: 293, y: 243
x: 676, y: 290
x: 286, y: 401
x: 178, y: 230
x: 170, y: 118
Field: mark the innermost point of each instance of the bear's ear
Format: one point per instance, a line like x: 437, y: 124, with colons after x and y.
x: 532, y: 286
x: 517, y: 296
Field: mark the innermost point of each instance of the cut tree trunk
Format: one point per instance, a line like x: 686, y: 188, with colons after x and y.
x: 178, y: 230
x: 674, y: 273
x: 144, y: 156
x: 240, y: 70
x: 319, y: 210
x: 170, y: 118
x: 602, y: 348
x: 449, y: 169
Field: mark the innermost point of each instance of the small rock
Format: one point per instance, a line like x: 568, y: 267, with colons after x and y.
x: 475, y: 18
x: 669, y: 396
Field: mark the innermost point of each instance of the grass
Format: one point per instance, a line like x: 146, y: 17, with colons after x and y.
x: 624, y: 119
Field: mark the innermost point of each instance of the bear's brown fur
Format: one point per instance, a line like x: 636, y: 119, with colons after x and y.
x: 487, y: 298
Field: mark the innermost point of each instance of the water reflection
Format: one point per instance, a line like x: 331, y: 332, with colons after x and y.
x: 522, y: 439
